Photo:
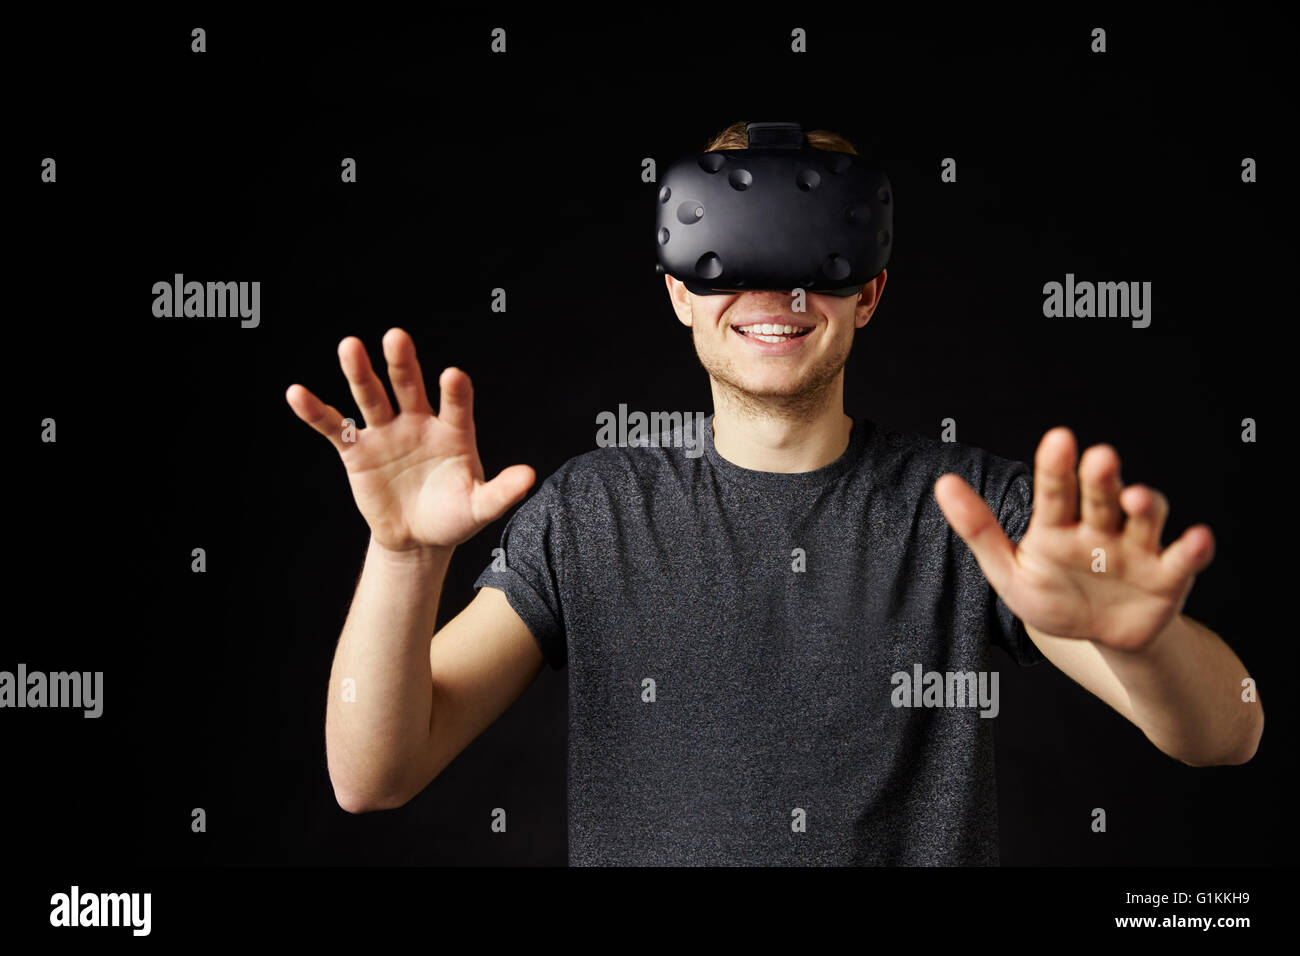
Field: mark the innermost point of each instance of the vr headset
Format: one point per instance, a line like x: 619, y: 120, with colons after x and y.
x: 774, y: 216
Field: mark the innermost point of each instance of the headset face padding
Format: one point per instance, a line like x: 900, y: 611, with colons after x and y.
x: 696, y: 289
x: 774, y: 217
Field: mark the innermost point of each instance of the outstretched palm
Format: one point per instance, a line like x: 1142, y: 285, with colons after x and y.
x: 416, y: 476
x: 1090, y: 564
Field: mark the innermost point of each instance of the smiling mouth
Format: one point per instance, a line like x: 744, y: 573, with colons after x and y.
x: 771, y: 333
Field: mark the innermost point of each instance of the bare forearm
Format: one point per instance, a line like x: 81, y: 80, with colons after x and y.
x: 1185, y: 690
x: 380, y: 694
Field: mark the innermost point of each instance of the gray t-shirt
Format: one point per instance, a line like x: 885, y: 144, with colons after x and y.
x: 737, y: 640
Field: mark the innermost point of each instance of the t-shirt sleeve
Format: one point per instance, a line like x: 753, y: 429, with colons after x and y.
x: 1017, y: 505
x: 528, y: 569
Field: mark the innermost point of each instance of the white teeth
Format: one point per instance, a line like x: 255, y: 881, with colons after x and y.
x: 767, y: 332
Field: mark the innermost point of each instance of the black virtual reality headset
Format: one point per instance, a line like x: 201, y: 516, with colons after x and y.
x: 774, y: 216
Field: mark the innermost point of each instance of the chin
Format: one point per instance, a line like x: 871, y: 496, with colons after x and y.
x: 778, y: 388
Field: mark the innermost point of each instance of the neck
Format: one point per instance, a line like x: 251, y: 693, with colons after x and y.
x: 779, y: 437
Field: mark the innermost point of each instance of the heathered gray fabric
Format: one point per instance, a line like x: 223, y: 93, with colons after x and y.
x: 772, y: 687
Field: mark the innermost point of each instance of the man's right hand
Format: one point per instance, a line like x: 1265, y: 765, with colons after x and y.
x: 416, y: 477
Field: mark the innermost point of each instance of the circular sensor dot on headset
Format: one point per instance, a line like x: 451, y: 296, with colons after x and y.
x: 858, y: 212
x: 808, y: 179
x: 836, y: 267
x: 884, y: 237
x: 689, y: 211
x: 708, y: 266
x: 663, y: 237
x: 883, y: 194
x: 664, y: 194
x: 740, y: 179
x: 712, y: 162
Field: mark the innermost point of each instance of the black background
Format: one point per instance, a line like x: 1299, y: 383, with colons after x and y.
x: 522, y: 171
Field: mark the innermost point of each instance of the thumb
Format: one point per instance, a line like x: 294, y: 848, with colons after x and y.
x: 492, y: 499
x: 971, y: 518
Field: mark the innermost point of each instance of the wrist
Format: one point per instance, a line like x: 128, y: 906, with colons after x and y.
x: 1159, y: 644
x: 413, y: 556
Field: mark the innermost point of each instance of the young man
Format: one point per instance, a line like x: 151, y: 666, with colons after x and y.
x: 748, y: 622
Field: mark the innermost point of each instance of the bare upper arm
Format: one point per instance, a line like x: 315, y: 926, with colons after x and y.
x: 481, y: 661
